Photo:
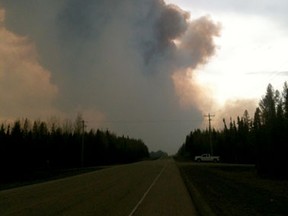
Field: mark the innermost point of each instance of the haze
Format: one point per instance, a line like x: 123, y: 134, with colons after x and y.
x: 139, y: 68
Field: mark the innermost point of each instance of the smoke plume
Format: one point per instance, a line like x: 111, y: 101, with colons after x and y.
x: 233, y: 109
x: 24, y: 84
x: 129, y: 61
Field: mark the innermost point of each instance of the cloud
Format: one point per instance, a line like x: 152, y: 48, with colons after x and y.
x: 25, y: 86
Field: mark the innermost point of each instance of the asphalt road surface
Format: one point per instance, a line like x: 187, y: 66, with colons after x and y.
x: 144, y: 188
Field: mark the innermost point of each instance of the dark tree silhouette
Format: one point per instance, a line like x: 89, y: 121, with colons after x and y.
x: 28, y: 147
x: 262, y: 140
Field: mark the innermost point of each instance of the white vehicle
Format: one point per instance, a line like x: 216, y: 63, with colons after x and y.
x: 207, y: 158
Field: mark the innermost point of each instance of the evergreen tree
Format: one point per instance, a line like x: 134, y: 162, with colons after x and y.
x: 27, y: 148
x: 268, y: 106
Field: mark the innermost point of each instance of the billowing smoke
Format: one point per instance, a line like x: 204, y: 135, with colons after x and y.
x: 127, y: 61
x: 198, y: 41
x: 233, y: 109
x: 196, y: 46
x: 25, y: 87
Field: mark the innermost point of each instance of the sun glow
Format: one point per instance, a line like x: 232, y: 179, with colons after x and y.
x: 251, y: 54
x: 246, y: 60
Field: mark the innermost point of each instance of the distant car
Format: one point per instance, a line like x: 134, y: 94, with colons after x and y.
x: 207, y: 158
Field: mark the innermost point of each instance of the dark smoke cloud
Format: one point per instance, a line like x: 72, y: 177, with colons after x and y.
x: 172, y: 23
x: 117, y: 58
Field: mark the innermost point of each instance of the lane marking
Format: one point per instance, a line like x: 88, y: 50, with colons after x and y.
x: 148, y: 190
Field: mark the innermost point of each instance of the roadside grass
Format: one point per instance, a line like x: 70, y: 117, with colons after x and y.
x: 223, y: 189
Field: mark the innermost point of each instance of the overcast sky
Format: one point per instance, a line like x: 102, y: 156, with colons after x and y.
x: 139, y: 68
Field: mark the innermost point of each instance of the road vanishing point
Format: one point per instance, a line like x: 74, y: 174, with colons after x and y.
x: 144, y: 188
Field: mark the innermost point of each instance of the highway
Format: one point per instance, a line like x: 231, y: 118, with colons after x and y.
x: 144, y: 188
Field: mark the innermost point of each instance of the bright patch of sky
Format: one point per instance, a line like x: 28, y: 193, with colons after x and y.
x: 251, y: 53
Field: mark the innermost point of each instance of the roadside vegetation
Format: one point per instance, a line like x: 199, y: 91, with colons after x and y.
x: 261, y: 140
x: 35, y: 150
x: 234, y: 190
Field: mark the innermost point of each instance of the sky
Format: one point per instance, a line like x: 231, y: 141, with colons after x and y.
x: 251, y: 52
x: 147, y: 69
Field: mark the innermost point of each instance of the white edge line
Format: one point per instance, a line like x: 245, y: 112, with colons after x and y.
x: 145, y: 194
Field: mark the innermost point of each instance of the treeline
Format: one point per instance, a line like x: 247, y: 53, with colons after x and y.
x: 262, y: 140
x: 27, y: 146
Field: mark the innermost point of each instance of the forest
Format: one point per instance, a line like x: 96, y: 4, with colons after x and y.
x: 261, y: 140
x: 26, y: 147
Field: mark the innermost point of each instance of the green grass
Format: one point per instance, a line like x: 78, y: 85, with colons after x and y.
x: 234, y: 190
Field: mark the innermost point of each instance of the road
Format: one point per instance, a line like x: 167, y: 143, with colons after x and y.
x: 144, y: 188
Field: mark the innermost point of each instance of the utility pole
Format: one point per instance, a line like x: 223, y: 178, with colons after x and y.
x: 210, y: 137
x: 82, y: 143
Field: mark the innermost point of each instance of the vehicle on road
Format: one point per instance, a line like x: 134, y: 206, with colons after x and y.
x: 207, y: 158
